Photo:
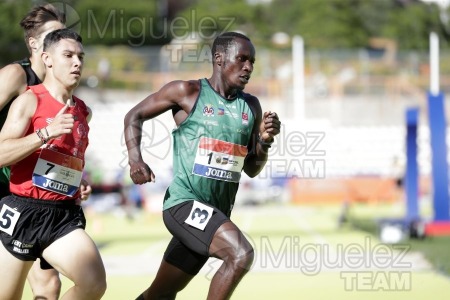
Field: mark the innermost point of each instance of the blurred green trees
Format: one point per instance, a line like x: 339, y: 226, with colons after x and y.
x: 324, y: 24
x: 12, y: 45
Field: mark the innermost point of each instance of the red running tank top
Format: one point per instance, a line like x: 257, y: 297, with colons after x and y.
x: 73, y: 144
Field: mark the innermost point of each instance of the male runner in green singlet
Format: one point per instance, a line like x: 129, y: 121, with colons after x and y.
x: 220, y: 131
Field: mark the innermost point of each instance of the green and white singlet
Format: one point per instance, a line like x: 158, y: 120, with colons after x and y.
x: 209, y: 150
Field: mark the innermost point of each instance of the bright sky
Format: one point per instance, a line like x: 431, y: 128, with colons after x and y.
x: 442, y: 3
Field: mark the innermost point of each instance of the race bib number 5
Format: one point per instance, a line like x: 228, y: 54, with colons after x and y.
x: 219, y: 160
x: 58, y: 172
x: 8, y: 219
x: 200, y: 215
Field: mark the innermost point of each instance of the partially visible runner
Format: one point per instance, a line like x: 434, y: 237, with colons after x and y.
x: 44, y: 140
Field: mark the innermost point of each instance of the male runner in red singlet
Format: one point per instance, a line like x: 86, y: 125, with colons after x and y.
x: 44, y: 140
x: 14, y: 79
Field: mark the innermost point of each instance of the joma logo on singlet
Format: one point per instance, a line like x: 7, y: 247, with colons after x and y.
x: 56, y: 185
x: 219, y: 173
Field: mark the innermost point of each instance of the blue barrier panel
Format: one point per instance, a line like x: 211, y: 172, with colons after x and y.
x: 436, y: 117
x: 412, y: 169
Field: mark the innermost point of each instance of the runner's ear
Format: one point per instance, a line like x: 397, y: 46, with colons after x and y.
x: 33, y: 44
x: 46, y: 59
x: 218, y: 58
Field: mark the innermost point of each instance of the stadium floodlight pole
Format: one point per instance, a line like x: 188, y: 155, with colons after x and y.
x: 298, y: 77
x: 434, y: 64
x: 438, y: 126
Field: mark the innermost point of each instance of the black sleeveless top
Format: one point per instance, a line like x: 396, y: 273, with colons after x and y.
x: 32, y: 79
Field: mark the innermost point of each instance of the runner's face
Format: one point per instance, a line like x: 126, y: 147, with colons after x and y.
x: 67, y: 61
x: 238, y: 63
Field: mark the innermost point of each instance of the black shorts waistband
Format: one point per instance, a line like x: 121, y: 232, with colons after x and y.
x: 34, y: 201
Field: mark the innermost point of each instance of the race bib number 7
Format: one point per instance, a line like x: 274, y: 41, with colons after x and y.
x: 219, y: 160
x: 8, y: 219
x: 58, y: 172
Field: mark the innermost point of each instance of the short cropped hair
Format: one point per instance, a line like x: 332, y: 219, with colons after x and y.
x: 223, y: 41
x: 33, y: 22
x: 60, y: 34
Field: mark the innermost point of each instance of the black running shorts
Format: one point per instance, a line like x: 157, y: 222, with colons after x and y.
x: 28, y: 226
x: 189, y: 248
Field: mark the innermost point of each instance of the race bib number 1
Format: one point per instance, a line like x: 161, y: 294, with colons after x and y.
x: 200, y: 215
x: 58, y: 172
x: 8, y: 219
x: 219, y: 160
